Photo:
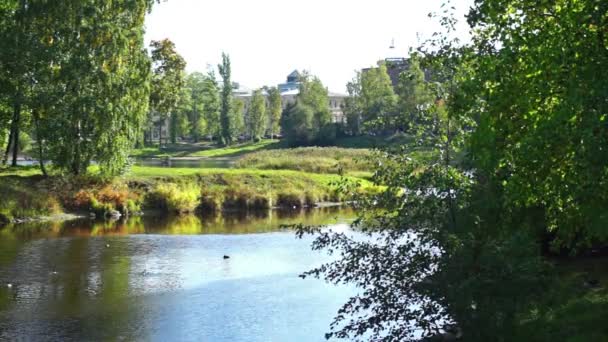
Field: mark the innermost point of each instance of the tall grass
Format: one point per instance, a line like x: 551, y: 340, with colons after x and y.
x: 309, y: 159
x: 177, y: 198
x: 20, y: 198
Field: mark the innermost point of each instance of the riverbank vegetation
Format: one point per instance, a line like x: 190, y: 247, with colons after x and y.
x: 169, y: 190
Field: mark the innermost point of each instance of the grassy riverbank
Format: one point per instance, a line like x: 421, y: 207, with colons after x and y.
x: 266, y: 174
x: 27, y: 194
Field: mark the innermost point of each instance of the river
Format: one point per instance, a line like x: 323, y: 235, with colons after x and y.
x: 166, y: 279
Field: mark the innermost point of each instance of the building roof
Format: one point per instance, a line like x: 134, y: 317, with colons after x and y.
x: 294, y: 73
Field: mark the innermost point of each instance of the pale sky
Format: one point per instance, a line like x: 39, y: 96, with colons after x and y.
x: 267, y: 39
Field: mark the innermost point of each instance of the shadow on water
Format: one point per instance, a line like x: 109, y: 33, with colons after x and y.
x: 158, y: 278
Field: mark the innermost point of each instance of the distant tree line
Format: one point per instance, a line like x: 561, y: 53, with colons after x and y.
x: 198, y: 106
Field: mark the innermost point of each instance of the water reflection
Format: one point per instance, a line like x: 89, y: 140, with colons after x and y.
x: 228, y: 223
x: 154, y: 278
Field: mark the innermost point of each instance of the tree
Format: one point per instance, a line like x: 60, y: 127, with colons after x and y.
x: 227, y: 133
x: 4, y: 125
x: 414, y: 95
x: 80, y: 75
x: 211, y: 105
x: 257, y: 116
x: 105, y: 108
x: 181, y: 124
x: 195, y: 82
x: 541, y: 113
x: 296, y: 124
x: 310, y: 119
x: 167, y: 82
x: 314, y: 94
x: 275, y: 108
x: 18, y: 56
x: 453, y: 240
x: 237, y: 117
x: 352, y: 106
x: 377, y: 99
x: 436, y: 256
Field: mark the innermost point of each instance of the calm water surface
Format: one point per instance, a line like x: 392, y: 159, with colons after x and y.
x: 166, y: 280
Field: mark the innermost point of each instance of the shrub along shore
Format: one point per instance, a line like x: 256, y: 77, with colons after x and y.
x: 26, y: 195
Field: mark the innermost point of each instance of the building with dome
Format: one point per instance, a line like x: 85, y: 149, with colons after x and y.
x: 289, y: 93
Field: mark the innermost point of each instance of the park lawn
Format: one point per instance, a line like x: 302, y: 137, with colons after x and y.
x: 146, y: 172
x: 171, y: 150
x: 20, y: 171
x: 237, y: 150
x: 203, y: 150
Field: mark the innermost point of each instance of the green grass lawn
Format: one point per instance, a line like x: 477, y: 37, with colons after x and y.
x: 238, y: 150
x: 204, y: 150
x: 142, y: 172
x: 20, y: 171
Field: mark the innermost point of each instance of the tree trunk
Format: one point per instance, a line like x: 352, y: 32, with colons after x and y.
x: 8, y: 147
x: 39, y: 138
x: 173, y: 128
x: 76, y: 160
x: 161, y: 123
x: 16, y: 119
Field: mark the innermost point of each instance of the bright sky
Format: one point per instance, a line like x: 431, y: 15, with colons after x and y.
x: 267, y: 39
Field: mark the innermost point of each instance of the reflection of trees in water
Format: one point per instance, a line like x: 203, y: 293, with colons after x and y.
x: 232, y: 222
x: 240, y: 222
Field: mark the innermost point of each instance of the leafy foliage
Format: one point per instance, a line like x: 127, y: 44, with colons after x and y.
x: 80, y: 75
x: 167, y: 85
x: 377, y: 98
x: 275, y: 108
x: 227, y: 132
x: 211, y: 100
x: 257, y: 116
x: 309, y: 119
